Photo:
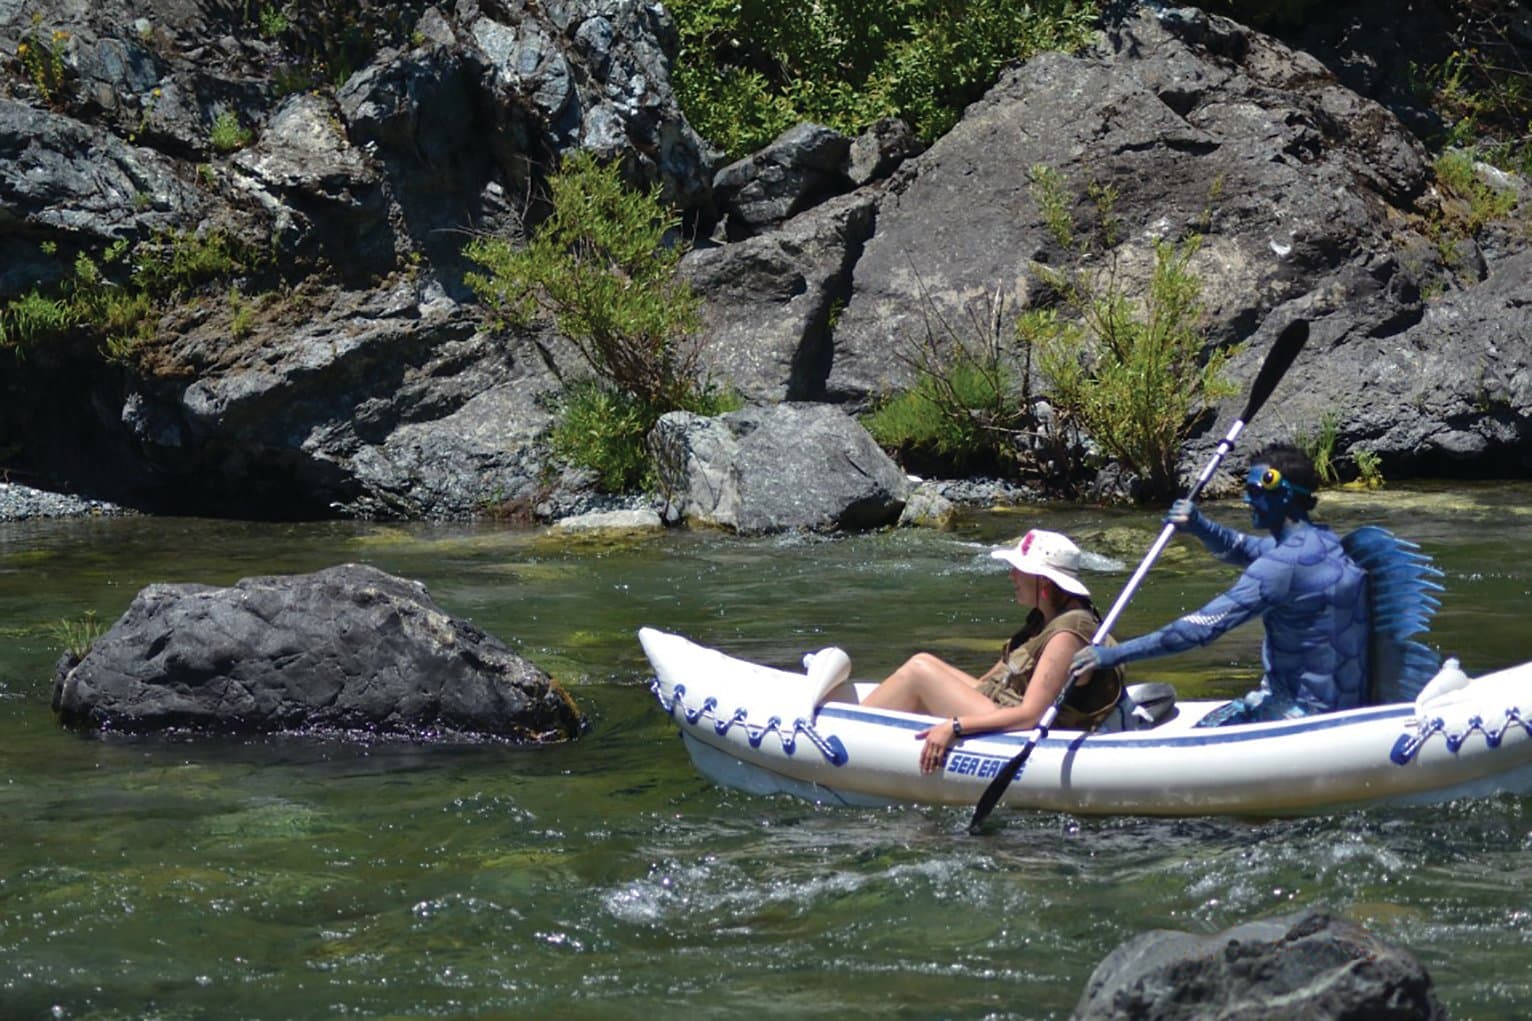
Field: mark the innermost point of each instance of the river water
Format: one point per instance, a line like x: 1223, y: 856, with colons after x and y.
x: 290, y: 878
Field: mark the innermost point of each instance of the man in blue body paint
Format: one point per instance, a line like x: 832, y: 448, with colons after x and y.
x: 1312, y: 599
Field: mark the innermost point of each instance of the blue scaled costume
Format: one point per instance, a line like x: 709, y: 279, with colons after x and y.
x: 1313, y: 601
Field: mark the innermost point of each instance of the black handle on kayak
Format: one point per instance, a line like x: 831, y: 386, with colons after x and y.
x: 1283, y: 351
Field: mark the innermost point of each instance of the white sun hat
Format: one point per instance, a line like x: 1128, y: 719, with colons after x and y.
x: 1049, y: 555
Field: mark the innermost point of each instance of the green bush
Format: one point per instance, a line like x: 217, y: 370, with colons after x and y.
x: 118, y: 296
x: 602, y: 265
x: 1483, y: 89
x: 607, y: 430
x: 1132, y: 372
x: 749, y: 69
x: 227, y: 133
x: 949, y: 419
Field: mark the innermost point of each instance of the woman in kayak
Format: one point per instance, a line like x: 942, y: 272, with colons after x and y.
x: 1017, y: 690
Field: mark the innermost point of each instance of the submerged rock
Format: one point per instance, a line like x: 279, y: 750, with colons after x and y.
x: 1309, y: 965
x: 348, y: 648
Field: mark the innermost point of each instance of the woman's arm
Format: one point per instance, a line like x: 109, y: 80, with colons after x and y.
x: 1043, y: 687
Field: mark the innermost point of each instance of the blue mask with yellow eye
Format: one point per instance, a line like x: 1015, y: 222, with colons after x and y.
x: 1269, y: 495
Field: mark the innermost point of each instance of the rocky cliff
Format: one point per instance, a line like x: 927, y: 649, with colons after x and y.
x: 339, y: 366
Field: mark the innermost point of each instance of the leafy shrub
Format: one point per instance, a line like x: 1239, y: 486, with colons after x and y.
x: 1369, y: 468
x: 607, y: 430
x: 749, y: 69
x: 228, y: 134
x: 1483, y: 89
x: 41, y: 56
x: 945, y: 421
x: 603, y: 266
x: 1131, y: 372
x: 117, y: 297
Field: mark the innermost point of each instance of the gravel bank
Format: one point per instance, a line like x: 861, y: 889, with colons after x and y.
x: 18, y: 503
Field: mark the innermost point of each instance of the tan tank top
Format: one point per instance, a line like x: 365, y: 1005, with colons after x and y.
x: 1087, y: 704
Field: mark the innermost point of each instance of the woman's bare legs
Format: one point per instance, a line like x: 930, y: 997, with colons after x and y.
x: 929, y: 684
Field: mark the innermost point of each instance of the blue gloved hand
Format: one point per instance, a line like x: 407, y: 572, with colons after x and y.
x: 1181, y: 513
x: 1086, y: 660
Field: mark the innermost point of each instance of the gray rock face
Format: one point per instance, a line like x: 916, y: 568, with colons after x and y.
x: 878, y: 151
x: 778, y: 468
x: 1312, y: 199
x: 1452, y: 391
x: 769, y: 301
x: 349, y: 648
x: 803, y: 166
x: 367, y: 404
x: 1292, y: 181
x: 385, y: 404
x: 1307, y: 965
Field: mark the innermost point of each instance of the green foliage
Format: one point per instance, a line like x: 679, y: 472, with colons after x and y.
x: 33, y: 318
x: 1369, y: 467
x: 1484, y: 202
x: 607, y: 430
x: 241, y: 314
x: 949, y: 416
x: 119, y: 295
x: 173, y: 264
x: 603, y: 266
x: 1130, y: 371
x: 325, y: 40
x: 749, y: 69
x: 1469, y: 204
x: 228, y: 134
x: 1320, y: 446
x: 1483, y: 89
x: 75, y: 637
x: 969, y: 409
x: 41, y: 56
x: 273, y: 21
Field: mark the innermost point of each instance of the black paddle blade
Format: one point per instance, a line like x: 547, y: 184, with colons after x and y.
x: 1278, y: 360
x: 991, y: 796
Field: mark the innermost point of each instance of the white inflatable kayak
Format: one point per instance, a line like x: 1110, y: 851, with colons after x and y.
x: 765, y: 731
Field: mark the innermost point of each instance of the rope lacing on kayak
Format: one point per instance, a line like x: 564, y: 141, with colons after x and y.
x: 831, y: 748
x: 1408, y: 746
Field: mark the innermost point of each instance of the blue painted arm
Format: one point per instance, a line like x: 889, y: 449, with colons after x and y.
x: 1228, y: 545
x: 1261, y: 586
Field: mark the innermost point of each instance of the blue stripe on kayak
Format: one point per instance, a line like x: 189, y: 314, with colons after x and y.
x: 1146, y: 739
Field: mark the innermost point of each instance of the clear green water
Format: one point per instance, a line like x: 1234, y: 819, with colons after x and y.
x: 292, y: 879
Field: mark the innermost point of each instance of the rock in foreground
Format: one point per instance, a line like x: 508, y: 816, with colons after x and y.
x: 1308, y: 965
x: 348, y: 648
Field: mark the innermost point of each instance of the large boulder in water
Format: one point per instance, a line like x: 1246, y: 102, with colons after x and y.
x: 1308, y: 965
x: 348, y: 648
x: 779, y: 468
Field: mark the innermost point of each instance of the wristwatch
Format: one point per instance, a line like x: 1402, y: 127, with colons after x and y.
x: 957, y: 729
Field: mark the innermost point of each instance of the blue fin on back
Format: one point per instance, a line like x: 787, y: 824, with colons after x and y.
x: 1401, y: 590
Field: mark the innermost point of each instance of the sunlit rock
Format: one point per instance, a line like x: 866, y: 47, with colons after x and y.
x: 346, y: 649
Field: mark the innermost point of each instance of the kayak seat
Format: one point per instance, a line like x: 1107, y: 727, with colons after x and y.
x: 1155, y: 702
x: 826, y: 670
